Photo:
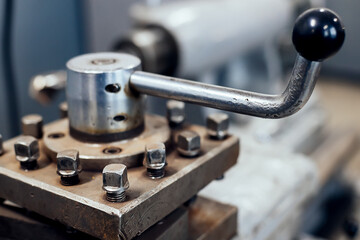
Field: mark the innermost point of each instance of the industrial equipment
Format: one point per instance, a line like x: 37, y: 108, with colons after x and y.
x: 122, y: 172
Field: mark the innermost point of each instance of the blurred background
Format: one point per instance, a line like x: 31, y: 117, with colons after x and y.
x: 40, y: 36
x: 243, y: 44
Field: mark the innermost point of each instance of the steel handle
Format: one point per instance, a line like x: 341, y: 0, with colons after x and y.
x: 317, y: 34
x: 298, y: 91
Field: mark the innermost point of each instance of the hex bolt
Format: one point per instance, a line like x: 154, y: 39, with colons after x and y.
x: 68, y: 167
x: 32, y: 125
x: 188, y: 143
x: 27, y: 152
x: 175, y: 112
x: 155, y: 160
x: 63, y: 107
x: 217, y: 125
x: 1, y: 145
x: 115, y: 182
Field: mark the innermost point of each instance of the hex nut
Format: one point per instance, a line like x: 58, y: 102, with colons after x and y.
x: 217, y: 125
x: 115, y: 182
x: 188, y: 143
x: 32, y: 125
x: 27, y: 152
x: 175, y: 112
x: 155, y: 160
x: 68, y: 166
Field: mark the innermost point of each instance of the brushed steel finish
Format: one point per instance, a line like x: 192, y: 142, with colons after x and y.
x: 100, y: 102
x: 297, y: 93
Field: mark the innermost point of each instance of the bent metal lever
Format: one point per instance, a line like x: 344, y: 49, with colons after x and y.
x: 317, y: 35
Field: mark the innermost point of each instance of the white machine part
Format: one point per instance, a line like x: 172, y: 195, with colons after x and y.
x: 210, y: 32
x: 269, y: 189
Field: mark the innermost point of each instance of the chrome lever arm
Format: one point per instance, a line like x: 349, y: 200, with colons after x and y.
x: 297, y: 93
x: 317, y: 34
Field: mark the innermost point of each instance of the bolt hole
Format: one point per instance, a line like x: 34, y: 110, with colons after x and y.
x: 119, y: 118
x: 56, y: 135
x: 104, y: 61
x: 113, y: 88
x: 112, y: 150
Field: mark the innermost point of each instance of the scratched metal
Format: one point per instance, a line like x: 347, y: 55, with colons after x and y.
x: 301, y: 85
x: 92, y: 156
x: 212, y: 220
x: 84, y: 206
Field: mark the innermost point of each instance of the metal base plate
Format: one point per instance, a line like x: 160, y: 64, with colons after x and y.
x: 95, y: 156
x: 212, y: 220
x: 84, y: 206
x: 206, y: 219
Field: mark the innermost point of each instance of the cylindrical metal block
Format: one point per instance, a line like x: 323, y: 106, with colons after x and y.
x: 211, y: 33
x: 101, y: 105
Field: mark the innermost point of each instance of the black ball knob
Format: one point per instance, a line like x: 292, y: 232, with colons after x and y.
x: 318, y: 34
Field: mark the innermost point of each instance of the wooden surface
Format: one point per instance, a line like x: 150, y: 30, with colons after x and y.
x: 342, y: 102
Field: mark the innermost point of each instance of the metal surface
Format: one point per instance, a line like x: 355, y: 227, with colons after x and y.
x: 32, y: 125
x: 212, y: 220
x: 205, y: 219
x: 297, y: 93
x: 268, y: 187
x: 148, y: 201
x: 19, y: 224
x: 208, y: 219
x: 211, y: 33
x: 101, y: 106
x: 95, y: 156
x: 175, y: 226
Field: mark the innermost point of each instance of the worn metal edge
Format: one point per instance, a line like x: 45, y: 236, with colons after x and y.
x: 21, y: 190
x: 185, y: 189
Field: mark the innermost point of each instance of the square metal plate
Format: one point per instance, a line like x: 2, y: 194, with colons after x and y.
x: 84, y: 206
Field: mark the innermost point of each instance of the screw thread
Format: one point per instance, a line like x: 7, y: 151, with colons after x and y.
x: 175, y: 125
x: 115, y: 197
x: 29, y: 165
x: 69, y: 181
x: 155, y: 173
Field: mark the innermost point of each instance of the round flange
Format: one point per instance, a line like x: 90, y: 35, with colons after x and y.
x: 95, y: 156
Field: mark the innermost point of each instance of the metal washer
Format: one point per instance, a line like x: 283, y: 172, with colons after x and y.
x: 95, y: 156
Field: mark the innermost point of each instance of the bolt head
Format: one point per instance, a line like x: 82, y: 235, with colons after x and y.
x: 155, y: 156
x: 217, y: 125
x: 188, y: 143
x: 115, y: 178
x: 27, y: 149
x: 32, y: 125
x: 175, y: 112
x: 68, y: 163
